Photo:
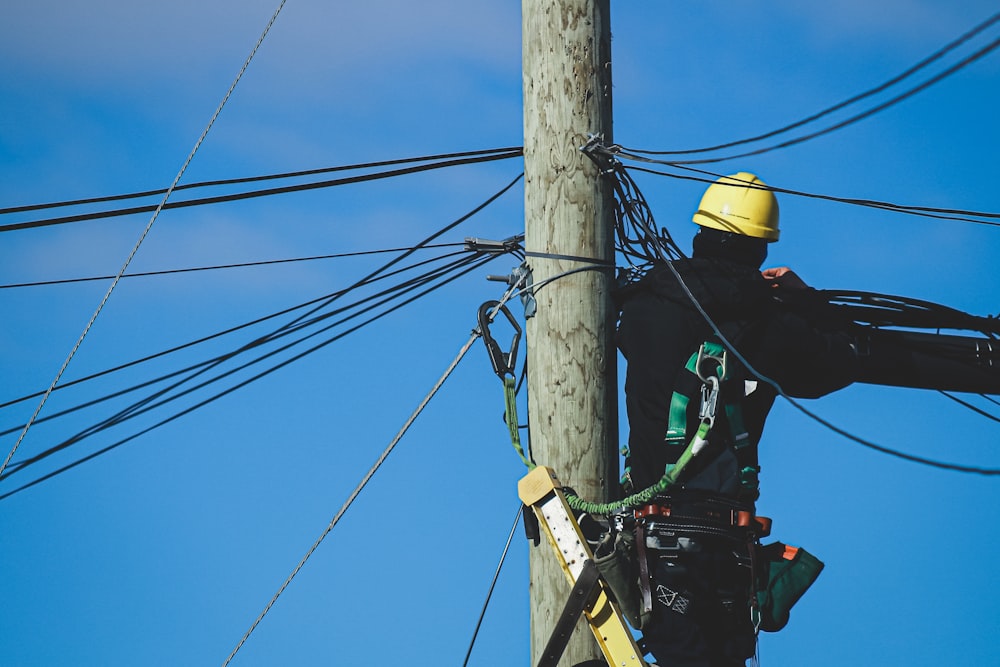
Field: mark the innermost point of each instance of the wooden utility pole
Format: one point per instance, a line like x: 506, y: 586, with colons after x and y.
x: 572, y: 390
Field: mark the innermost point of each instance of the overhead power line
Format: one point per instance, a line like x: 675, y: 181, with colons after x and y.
x: 279, y: 333
x: 321, y: 301
x: 970, y: 406
x: 255, y: 179
x: 959, y: 215
x: 858, y: 117
x: 430, y: 281
x: 266, y: 192
x: 217, y: 267
x: 937, y: 55
x: 204, y: 339
x: 146, y: 405
x: 493, y: 583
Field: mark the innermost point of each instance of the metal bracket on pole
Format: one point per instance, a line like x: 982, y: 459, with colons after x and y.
x: 540, y: 490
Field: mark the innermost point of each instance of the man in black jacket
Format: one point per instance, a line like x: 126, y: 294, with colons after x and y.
x: 696, y: 565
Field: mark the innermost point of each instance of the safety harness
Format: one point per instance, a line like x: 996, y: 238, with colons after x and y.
x: 671, y: 526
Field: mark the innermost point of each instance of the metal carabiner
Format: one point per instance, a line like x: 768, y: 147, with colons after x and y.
x: 503, y: 363
x: 720, y: 359
x: 709, y: 400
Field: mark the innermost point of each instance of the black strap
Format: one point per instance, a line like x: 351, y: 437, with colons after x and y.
x: 640, y: 548
x: 580, y: 598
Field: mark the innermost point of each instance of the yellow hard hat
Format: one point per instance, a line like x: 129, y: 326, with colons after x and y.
x: 742, y: 204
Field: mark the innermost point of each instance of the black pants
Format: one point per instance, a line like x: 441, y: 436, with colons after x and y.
x: 707, y: 622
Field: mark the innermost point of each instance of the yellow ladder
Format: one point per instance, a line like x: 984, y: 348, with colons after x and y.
x: 540, y: 490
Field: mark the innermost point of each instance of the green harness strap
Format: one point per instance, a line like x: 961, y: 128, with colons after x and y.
x: 732, y: 406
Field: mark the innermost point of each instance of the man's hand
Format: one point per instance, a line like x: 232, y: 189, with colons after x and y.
x: 782, y: 276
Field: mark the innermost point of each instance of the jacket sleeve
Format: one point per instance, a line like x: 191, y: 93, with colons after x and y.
x: 806, y: 359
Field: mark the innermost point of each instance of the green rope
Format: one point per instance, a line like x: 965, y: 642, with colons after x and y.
x: 510, y: 415
x: 669, y: 478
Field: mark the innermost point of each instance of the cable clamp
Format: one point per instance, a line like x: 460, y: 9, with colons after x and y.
x: 595, y: 142
x: 488, y: 246
x: 519, y: 280
x: 602, y: 155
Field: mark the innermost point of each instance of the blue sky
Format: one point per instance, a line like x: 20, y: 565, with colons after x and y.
x: 164, y: 550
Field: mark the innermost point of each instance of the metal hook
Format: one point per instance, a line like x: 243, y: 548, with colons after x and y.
x: 503, y: 363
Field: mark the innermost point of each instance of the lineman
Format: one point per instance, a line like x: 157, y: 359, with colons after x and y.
x: 695, y: 552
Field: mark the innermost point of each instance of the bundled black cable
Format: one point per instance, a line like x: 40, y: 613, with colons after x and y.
x: 882, y: 310
x: 635, y: 239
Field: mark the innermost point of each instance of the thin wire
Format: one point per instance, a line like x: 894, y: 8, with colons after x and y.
x: 217, y: 267
x: 251, y: 194
x: 858, y: 117
x: 479, y: 260
x: 970, y: 406
x: 937, y: 55
x: 254, y: 179
x: 355, y: 493
x: 433, y: 236
x: 921, y: 211
x: 142, y: 237
x: 326, y: 300
x: 203, y: 367
x: 134, y: 410
x: 489, y: 594
x: 177, y: 348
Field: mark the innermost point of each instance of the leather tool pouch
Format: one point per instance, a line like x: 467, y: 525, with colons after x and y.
x: 615, y: 560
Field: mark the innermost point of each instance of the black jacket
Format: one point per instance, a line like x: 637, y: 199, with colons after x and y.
x: 779, y: 332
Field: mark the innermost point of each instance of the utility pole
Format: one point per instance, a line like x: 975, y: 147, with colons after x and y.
x: 572, y: 387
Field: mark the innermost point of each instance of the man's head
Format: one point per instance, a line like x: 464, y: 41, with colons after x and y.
x: 738, y: 216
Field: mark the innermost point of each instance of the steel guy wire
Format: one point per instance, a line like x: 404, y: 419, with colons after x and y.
x: 142, y: 236
x: 354, y: 494
x: 493, y: 583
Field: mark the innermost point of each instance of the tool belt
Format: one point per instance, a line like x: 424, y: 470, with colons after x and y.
x: 716, y: 517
